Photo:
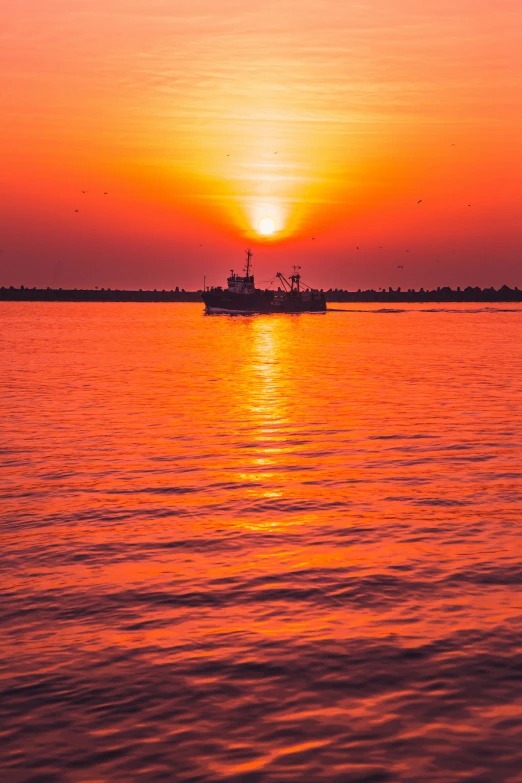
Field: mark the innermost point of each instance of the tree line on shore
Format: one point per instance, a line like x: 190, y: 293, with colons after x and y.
x: 440, y: 294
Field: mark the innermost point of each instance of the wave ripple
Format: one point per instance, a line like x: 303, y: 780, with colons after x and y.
x: 258, y: 550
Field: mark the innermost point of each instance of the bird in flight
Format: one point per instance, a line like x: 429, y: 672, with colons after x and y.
x: 419, y: 201
x: 76, y: 210
x: 105, y: 193
x: 357, y: 247
x: 452, y: 145
x: 85, y: 191
x: 313, y: 237
x: 400, y: 266
x: 469, y: 205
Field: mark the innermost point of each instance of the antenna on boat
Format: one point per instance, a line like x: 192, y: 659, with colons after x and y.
x: 249, y: 255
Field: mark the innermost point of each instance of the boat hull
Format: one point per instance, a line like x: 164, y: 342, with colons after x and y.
x: 250, y: 304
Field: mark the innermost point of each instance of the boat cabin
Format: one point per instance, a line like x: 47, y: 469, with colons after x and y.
x: 240, y: 285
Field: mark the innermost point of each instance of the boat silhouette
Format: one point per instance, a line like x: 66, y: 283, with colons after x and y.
x: 242, y: 297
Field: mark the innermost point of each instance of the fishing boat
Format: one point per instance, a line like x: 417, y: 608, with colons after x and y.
x: 241, y: 296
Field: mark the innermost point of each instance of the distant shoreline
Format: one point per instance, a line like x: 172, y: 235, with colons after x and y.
x: 469, y: 294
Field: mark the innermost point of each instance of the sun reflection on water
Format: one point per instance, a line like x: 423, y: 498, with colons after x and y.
x: 265, y: 392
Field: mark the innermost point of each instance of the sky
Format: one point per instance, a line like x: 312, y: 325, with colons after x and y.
x: 189, y: 123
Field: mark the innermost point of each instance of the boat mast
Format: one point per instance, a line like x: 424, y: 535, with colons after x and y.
x: 296, y: 278
x: 247, y: 267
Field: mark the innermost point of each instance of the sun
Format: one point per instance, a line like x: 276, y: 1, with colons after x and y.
x: 267, y: 226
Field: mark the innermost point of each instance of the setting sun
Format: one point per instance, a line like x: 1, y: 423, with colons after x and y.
x: 267, y: 226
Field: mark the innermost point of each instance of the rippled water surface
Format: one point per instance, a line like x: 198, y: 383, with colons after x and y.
x: 276, y: 548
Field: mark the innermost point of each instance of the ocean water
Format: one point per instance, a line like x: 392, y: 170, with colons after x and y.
x: 271, y: 548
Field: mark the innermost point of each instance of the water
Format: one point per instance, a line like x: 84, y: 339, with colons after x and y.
x: 282, y: 548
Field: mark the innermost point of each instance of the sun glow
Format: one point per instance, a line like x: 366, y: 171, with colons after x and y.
x: 267, y: 226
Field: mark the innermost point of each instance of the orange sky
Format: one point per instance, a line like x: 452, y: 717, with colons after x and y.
x: 178, y: 108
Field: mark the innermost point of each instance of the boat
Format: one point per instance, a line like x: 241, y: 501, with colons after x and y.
x: 241, y: 297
